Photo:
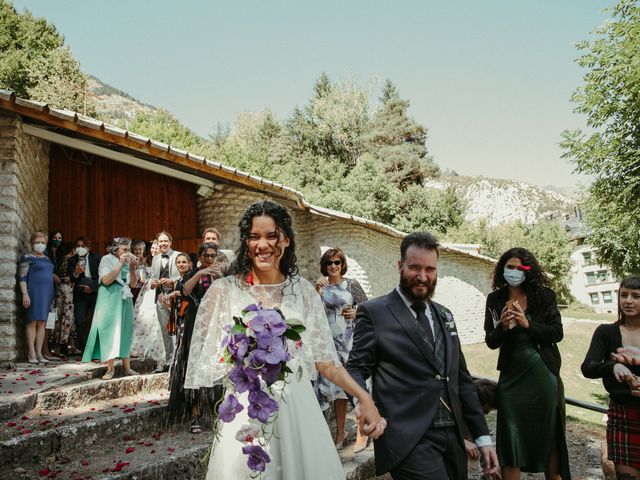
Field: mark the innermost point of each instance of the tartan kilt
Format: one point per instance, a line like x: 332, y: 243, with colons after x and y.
x: 623, y: 435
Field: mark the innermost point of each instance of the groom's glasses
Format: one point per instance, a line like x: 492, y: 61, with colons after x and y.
x: 333, y: 262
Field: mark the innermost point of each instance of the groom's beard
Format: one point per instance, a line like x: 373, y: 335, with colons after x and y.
x: 407, y: 286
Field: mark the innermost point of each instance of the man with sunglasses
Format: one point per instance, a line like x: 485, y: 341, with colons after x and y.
x: 410, y: 347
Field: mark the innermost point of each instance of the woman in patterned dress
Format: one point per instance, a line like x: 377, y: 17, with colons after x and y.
x: 340, y: 296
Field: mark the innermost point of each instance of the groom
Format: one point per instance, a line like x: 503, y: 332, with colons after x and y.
x: 421, y: 385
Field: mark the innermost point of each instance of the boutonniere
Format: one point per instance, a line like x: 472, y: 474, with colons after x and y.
x: 449, y: 322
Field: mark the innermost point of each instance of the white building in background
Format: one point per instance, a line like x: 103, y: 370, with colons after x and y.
x: 591, y: 283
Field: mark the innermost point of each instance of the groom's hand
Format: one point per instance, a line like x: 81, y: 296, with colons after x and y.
x: 489, y: 460
x: 370, y: 423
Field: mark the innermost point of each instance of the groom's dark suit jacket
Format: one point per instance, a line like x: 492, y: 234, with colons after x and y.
x: 388, y: 347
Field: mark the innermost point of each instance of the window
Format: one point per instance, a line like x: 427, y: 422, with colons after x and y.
x: 594, y: 298
x: 603, y: 275
x: 591, y: 278
x: 606, y: 297
x: 588, y: 258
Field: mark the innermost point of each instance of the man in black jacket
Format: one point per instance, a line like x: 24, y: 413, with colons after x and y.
x: 83, y: 271
x: 410, y: 347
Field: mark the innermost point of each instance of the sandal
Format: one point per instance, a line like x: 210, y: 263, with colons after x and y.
x: 195, y: 426
x: 109, y: 375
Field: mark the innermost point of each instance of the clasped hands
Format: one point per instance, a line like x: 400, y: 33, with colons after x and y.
x: 513, y: 312
x: 628, y: 356
x: 369, y: 420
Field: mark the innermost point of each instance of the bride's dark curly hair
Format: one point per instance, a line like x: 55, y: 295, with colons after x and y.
x: 535, y: 279
x: 288, y: 263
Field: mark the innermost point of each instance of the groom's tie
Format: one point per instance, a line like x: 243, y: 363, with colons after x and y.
x: 420, y: 308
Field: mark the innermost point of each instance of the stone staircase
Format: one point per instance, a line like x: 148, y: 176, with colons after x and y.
x: 81, y: 427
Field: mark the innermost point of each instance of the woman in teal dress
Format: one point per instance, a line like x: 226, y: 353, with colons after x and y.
x: 522, y: 319
x: 111, y: 331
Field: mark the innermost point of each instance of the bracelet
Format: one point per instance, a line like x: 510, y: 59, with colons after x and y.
x: 25, y: 293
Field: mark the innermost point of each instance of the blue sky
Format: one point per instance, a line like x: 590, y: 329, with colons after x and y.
x: 491, y: 80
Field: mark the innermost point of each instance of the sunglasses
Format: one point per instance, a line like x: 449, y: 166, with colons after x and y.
x: 522, y: 268
x: 333, y: 262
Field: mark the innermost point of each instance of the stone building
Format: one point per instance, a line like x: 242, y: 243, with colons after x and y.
x: 62, y: 170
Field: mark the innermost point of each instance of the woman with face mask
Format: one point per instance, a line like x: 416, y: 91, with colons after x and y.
x: 112, y: 326
x: 523, y: 321
x: 36, y: 281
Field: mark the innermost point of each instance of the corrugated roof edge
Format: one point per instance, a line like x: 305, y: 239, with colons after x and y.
x: 9, y: 100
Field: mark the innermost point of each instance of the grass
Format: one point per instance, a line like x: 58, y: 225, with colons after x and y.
x: 582, y: 311
x: 577, y: 337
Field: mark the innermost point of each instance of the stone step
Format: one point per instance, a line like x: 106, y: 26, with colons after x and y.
x: 81, y: 430
x: 97, y: 390
x: 21, y: 384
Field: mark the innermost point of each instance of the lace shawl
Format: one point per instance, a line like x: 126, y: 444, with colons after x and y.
x: 228, y: 296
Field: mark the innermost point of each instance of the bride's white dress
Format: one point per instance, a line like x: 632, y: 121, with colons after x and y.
x: 301, y: 446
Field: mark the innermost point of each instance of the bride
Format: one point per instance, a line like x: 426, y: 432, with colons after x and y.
x: 299, y: 443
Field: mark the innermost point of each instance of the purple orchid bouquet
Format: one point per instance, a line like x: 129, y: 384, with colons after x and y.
x: 256, y: 347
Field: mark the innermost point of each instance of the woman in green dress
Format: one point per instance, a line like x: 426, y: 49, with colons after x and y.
x: 111, y: 331
x: 523, y: 321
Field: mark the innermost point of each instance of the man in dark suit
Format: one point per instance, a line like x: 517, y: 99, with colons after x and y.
x: 82, y: 268
x: 410, y: 347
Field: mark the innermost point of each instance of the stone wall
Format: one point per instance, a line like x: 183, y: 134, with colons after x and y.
x: 24, y: 183
x: 463, y: 280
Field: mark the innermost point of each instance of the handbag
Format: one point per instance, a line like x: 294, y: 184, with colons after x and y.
x: 52, y: 318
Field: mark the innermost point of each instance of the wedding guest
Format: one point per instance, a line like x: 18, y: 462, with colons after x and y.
x: 36, y: 279
x: 138, y: 248
x: 82, y: 268
x: 340, y: 297
x: 65, y: 330
x: 302, y: 447
x: 620, y: 380
x: 523, y: 321
x: 164, y: 274
x: 225, y: 257
x: 190, y: 289
x: 147, y: 335
x: 112, y: 327
x: 50, y: 349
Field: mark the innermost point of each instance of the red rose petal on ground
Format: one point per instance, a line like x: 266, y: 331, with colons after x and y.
x: 40, y: 382
x: 11, y: 424
x: 67, y: 374
x: 119, y: 466
x: 24, y: 417
x: 44, y: 472
x: 85, y: 462
x: 130, y: 450
x: 148, y: 444
x: 141, y: 442
x: 152, y: 451
x: 170, y: 449
x: 44, y: 422
x: 89, y: 418
x: 25, y: 432
x: 129, y: 410
x: 156, y: 436
x: 92, y: 408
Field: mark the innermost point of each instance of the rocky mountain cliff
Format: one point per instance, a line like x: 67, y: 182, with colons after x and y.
x: 504, y: 201
x: 112, y: 105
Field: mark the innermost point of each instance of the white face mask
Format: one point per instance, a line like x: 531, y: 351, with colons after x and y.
x: 81, y: 251
x: 39, y: 247
x: 514, y: 277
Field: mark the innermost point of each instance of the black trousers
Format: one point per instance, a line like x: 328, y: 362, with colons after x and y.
x: 439, y: 455
x: 83, y: 306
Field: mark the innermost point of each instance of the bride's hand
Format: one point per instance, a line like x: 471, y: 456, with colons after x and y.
x: 369, y: 420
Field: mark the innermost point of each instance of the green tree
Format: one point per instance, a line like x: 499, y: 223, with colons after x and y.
x: 610, y: 100
x: 35, y: 64
x: 161, y: 125
x: 398, y: 142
